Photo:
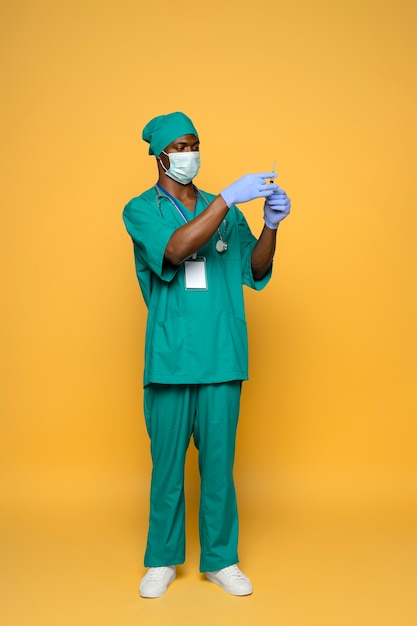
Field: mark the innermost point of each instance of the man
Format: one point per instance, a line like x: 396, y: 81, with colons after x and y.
x: 193, y: 252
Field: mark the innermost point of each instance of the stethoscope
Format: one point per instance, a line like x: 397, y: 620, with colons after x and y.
x: 221, y: 245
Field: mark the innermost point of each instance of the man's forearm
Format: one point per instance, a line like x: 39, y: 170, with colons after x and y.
x: 189, y: 238
x: 263, y: 252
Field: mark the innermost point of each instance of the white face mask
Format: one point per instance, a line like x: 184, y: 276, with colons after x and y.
x: 183, y: 166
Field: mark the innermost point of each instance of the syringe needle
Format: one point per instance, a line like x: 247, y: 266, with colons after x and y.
x: 273, y: 169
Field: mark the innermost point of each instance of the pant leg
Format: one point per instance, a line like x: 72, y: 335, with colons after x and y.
x: 215, y: 436
x: 169, y: 414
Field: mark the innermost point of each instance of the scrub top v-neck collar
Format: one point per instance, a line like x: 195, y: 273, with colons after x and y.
x: 185, y: 213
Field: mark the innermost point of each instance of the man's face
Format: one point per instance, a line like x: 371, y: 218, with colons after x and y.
x: 185, y: 143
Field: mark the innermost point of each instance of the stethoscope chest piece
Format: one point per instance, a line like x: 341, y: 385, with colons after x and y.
x: 221, y: 246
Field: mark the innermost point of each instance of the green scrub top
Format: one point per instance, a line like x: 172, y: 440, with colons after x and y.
x: 192, y: 336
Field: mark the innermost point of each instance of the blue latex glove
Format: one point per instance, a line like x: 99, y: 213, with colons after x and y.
x: 249, y: 187
x: 277, y: 206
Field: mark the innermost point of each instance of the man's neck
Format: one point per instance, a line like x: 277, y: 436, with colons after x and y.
x: 183, y: 193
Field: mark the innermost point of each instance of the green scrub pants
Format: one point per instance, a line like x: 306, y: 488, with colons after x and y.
x: 210, y: 414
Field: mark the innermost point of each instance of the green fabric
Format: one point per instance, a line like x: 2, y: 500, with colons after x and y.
x: 162, y: 130
x: 192, y: 337
x: 173, y: 414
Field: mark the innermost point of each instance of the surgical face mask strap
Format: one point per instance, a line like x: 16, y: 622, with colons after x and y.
x: 161, y: 162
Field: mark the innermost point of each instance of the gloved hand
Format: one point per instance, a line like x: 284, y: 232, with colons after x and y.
x: 249, y: 187
x: 277, y: 206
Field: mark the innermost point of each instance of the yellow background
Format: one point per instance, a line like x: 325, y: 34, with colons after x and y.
x: 326, y: 463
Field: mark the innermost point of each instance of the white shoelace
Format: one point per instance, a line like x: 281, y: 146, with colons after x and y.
x: 234, y: 573
x: 155, y: 574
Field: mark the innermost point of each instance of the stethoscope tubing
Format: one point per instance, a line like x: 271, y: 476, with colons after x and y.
x: 221, y: 245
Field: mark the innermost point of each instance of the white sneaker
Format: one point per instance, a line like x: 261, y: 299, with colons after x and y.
x: 231, y: 580
x: 156, y: 580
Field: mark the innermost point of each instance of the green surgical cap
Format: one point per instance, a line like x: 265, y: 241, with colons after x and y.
x: 162, y: 130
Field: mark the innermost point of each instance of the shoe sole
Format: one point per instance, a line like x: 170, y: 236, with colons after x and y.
x: 158, y: 595
x: 214, y: 580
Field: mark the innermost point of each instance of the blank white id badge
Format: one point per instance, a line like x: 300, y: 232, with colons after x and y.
x: 195, y: 273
